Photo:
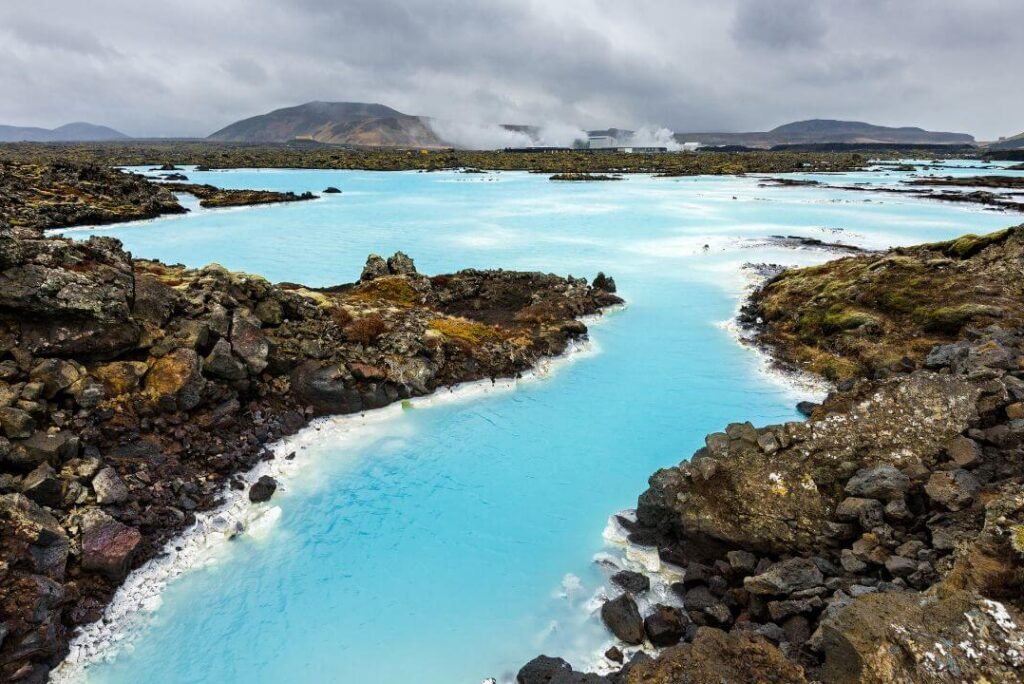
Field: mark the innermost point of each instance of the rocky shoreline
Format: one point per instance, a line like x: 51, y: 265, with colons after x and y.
x: 211, y: 197
x: 132, y: 392
x: 880, y: 541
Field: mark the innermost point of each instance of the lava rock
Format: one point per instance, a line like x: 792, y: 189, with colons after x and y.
x: 401, y: 263
x: 965, y: 452
x: 375, y: 268
x: 108, y: 545
x: 633, y: 582
x: 43, y: 487
x: 954, y: 489
x: 109, y: 487
x: 665, y: 626
x: 622, y: 617
x: 262, y: 489
x: 881, y: 482
x: 785, y: 577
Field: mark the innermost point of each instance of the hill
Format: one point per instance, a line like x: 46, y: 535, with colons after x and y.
x: 79, y: 131
x: 817, y: 131
x: 339, y: 123
x: 1015, y: 142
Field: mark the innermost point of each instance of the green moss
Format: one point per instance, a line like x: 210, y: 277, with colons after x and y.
x: 898, y: 301
x: 968, y: 245
x: 950, y: 319
x: 394, y: 289
x: 847, y: 319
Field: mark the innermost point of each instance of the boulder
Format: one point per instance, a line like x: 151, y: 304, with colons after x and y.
x: 269, y: 312
x: 221, y: 363
x: 120, y: 377
x: 36, y: 534
x: 50, y: 447
x: 622, y: 617
x: 262, y: 489
x: 248, y: 342
x: 16, y: 424
x: 949, y: 636
x: 108, y: 545
x: 56, y: 375
x: 868, y: 512
x: 881, y: 482
x: 331, y: 190
x: 323, y: 386
x: 633, y: 582
x: 375, y: 267
x: 603, y: 282
x: 665, y: 626
x: 743, y: 562
x: 176, y: 377
x: 965, y: 452
x: 954, y: 489
x: 401, y: 264
x: 785, y: 577
x: 43, y: 487
x: 109, y: 487
x: 543, y: 670
x: 714, y: 657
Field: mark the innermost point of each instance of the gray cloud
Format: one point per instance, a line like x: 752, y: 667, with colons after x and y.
x: 192, y: 66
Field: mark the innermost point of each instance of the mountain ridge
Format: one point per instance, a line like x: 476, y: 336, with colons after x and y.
x: 77, y: 131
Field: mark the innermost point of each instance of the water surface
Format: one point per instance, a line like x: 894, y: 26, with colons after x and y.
x: 454, y: 542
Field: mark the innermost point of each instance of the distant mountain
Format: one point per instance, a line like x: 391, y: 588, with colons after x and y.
x: 72, y: 132
x: 817, y: 131
x: 338, y: 123
x: 1015, y: 142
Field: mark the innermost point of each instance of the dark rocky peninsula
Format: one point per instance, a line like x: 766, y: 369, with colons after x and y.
x: 883, y: 539
x: 211, y: 197
x: 60, y: 195
x: 132, y: 393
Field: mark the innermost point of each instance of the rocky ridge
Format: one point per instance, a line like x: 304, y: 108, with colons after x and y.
x: 880, y: 541
x: 132, y: 392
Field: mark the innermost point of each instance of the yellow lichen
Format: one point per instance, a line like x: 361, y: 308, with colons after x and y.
x: 462, y: 329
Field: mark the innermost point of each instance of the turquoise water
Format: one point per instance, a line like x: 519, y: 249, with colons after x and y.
x: 453, y: 542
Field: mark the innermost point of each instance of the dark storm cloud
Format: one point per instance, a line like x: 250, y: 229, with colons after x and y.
x: 192, y: 66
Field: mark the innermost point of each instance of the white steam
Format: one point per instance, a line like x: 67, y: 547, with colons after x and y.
x: 654, y: 136
x: 479, y: 136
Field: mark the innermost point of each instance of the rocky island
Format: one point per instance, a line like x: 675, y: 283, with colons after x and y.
x: 132, y: 392
x: 883, y: 539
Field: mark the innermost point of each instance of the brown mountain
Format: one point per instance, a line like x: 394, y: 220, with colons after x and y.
x: 338, y: 123
x: 818, y: 131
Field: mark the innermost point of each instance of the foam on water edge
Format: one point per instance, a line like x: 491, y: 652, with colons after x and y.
x: 139, y: 597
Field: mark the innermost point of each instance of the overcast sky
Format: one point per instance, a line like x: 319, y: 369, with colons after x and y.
x: 189, y: 67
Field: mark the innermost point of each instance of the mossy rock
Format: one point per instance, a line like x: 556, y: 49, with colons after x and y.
x: 465, y: 330
x: 393, y: 289
x: 950, y: 319
x: 849, y: 319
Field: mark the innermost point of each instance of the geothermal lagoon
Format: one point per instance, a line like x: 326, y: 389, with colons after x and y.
x: 451, y: 539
